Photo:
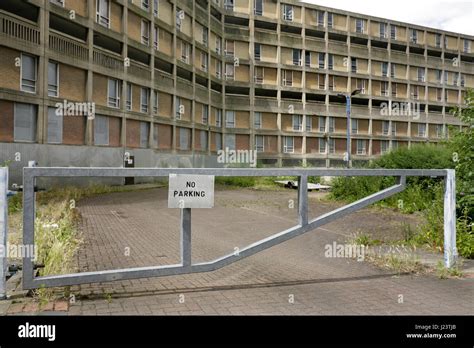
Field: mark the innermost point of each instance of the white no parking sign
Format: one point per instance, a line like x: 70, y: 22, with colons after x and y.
x: 191, y: 191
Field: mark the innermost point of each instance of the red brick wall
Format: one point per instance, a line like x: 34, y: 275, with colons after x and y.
x: 6, y: 121
x: 74, y: 130
x: 133, y: 133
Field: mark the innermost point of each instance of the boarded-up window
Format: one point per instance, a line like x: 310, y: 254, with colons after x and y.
x: 203, y: 140
x: 184, y: 135
x: 25, y: 122
x: 101, y: 130
x: 55, y: 126
x: 230, y: 141
x: 144, y: 132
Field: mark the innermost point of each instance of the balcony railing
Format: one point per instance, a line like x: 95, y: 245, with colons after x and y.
x: 18, y: 29
x: 67, y: 46
x: 107, y: 60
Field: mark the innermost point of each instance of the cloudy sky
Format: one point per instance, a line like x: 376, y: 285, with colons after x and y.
x: 452, y: 15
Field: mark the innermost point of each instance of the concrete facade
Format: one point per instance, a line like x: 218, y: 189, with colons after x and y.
x: 153, y: 68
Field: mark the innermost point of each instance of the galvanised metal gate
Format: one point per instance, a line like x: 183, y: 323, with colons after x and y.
x: 186, y: 266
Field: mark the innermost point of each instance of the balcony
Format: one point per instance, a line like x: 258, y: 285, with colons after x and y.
x: 68, y: 47
x: 18, y: 29
x: 107, y: 60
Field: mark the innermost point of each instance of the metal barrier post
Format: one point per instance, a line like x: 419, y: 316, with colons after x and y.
x: 450, y: 250
x: 186, y: 237
x: 3, y: 231
x: 303, y: 200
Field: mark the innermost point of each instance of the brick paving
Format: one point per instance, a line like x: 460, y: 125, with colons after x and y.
x: 295, y: 278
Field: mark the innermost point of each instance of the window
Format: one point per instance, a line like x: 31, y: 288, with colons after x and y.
x: 258, y: 120
x: 467, y: 46
x: 128, y: 102
x: 307, y: 59
x: 322, y: 145
x: 259, y: 74
x: 384, y: 88
x: 185, y: 51
x: 439, y: 76
x: 57, y: 2
x: 184, y: 138
x: 415, y: 92
x: 421, y: 130
x: 156, y: 7
x: 230, y: 119
x: 394, y: 144
x: 384, y: 146
x: 145, y: 32
x: 229, y: 48
x: 218, y: 69
x: 296, y: 57
x: 393, y: 70
x: 103, y: 13
x: 360, y: 84
x: 361, y: 147
x: 297, y: 123
x: 445, y: 42
x: 113, y: 93
x: 332, y: 145
x: 385, y: 127
x: 179, y: 18
x: 354, y: 65
x: 229, y: 71
x: 438, y: 40
x: 321, y: 59
x: 287, y: 78
x: 205, y: 114
x: 288, y: 145
x: 439, y: 94
x: 179, y: 108
x: 463, y: 80
x: 144, y: 134
x: 146, y: 5
x: 331, y: 83
x: 229, y: 5
x: 258, y: 10
x: 28, y: 73
x: 287, y: 12
x: 203, y: 140
x: 439, y: 131
x: 394, y: 128
x: 259, y: 143
x: 101, y: 130
x: 384, y: 69
x: 354, y: 126
x: 446, y: 77
x: 330, y: 61
x: 359, y: 26
x: 394, y: 89
x: 218, y: 118
x: 218, y: 44
x: 218, y: 141
x: 144, y: 99
x: 455, y: 79
x: 414, y: 36
x: 205, y: 36
x: 204, y: 61
x: 320, y: 18
x: 24, y: 124
x: 55, y: 126
x: 393, y: 32
x: 421, y: 74
x: 258, y: 51
x: 53, y: 79
x: 330, y: 20
x: 383, y: 30
x: 309, y: 123
x: 230, y: 141
x: 322, y: 124
x: 156, y: 37
x: 332, y: 124
x: 321, y: 81
x: 156, y: 102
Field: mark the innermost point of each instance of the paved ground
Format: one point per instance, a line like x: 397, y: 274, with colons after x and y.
x: 292, y: 278
x: 137, y: 229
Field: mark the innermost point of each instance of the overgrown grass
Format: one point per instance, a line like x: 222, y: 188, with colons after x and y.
x: 259, y: 182
x: 423, y: 195
x: 57, y: 239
